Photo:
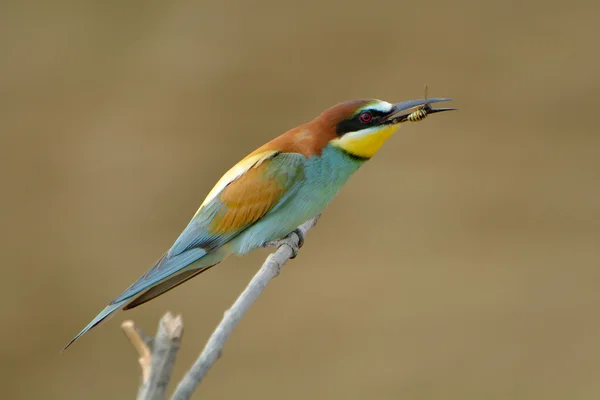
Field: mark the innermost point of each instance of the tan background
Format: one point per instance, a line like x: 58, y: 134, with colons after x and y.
x: 461, y: 263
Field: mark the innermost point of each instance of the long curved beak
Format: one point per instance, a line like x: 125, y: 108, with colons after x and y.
x: 401, y: 111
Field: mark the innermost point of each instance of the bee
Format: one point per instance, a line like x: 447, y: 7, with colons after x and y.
x: 420, y: 113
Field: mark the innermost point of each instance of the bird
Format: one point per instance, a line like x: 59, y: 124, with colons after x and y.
x: 271, y: 192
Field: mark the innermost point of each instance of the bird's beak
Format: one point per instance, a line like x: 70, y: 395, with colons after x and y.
x: 401, y: 111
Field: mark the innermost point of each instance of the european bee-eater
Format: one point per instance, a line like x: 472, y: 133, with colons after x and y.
x: 271, y: 192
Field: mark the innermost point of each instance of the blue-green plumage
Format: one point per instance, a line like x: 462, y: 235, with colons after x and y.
x: 311, y: 182
x: 270, y: 193
x: 324, y: 177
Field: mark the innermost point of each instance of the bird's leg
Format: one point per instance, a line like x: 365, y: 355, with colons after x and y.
x: 288, y: 241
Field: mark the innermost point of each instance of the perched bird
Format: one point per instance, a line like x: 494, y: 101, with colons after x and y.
x: 271, y: 192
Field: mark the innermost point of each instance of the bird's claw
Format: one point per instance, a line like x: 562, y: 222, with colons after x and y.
x: 288, y: 241
x: 300, y: 235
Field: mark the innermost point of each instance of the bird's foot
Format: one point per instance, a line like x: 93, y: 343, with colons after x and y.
x: 289, y: 241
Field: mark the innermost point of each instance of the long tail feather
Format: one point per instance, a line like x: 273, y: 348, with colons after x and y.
x: 165, y: 286
x: 166, y: 268
x: 104, y: 314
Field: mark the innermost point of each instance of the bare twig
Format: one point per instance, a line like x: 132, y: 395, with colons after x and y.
x: 135, y: 337
x: 156, y: 362
x: 213, y: 349
x: 157, y: 359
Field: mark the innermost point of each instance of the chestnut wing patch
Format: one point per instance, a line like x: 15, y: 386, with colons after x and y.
x: 251, y: 196
x: 246, y: 200
x: 243, y: 201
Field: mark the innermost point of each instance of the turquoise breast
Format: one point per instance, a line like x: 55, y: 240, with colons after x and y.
x: 324, y: 177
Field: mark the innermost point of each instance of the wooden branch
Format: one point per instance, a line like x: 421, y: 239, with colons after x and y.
x: 214, y: 348
x: 157, y: 356
x: 135, y: 337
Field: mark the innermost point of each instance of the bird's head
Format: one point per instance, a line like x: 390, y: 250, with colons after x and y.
x: 361, y: 127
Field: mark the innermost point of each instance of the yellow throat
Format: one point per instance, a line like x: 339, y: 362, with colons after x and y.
x: 365, y: 143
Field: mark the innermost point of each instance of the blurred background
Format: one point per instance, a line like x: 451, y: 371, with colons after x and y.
x: 462, y: 262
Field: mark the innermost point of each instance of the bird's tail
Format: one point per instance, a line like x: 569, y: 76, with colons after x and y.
x: 104, y: 314
x: 165, y: 275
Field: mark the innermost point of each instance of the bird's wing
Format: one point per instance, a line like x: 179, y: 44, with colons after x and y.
x: 247, y: 192
x: 258, y: 184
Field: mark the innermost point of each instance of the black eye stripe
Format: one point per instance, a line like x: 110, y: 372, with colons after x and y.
x: 377, y: 113
x: 354, y: 123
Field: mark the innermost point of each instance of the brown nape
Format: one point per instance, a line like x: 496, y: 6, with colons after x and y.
x: 310, y: 138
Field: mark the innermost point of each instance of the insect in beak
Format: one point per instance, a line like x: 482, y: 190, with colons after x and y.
x: 422, y: 108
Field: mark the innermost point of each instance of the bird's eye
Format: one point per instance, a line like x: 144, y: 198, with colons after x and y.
x: 366, y: 117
